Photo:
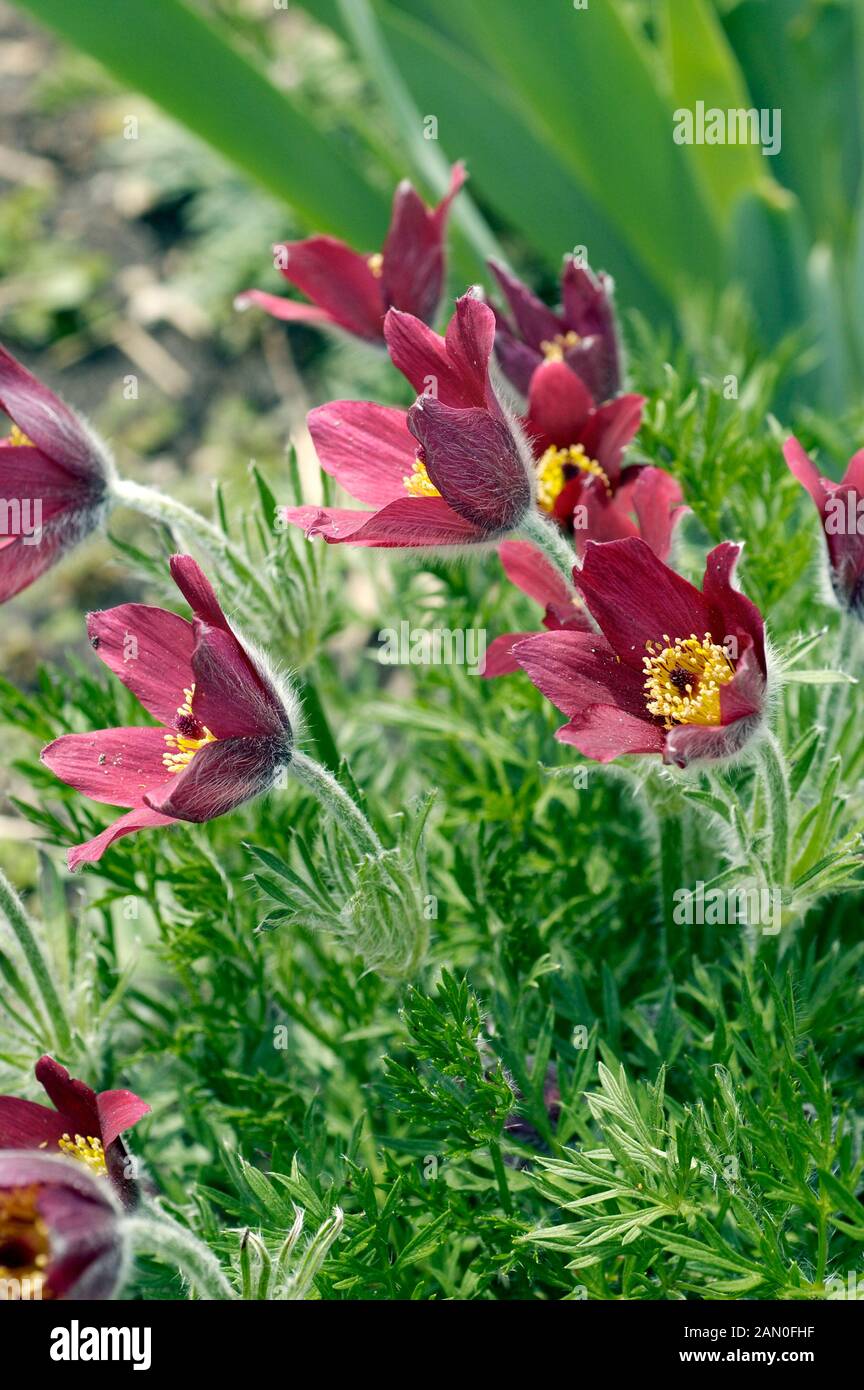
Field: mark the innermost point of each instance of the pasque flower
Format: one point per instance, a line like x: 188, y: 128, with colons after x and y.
x: 673, y: 671
x: 227, y: 724
x: 352, y: 291
x: 54, y: 477
x: 61, y: 1232
x: 453, y: 470
x: 579, y: 449
x: 582, y: 334
x: 83, y: 1125
x: 842, y: 516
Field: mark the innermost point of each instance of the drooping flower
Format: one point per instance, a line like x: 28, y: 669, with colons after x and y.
x: 53, y: 478
x: 582, y: 333
x: 227, y: 725
x: 674, y: 671
x: 530, y: 570
x: 83, y: 1125
x: 841, y: 510
x: 61, y: 1233
x: 352, y: 291
x: 579, y: 448
x: 451, y: 471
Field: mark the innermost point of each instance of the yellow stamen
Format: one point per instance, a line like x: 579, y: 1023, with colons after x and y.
x: 25, y: 1244
x: 186, y: 746
x: 19, y: 438
x: 418, y: 483
x: 553, y: 349
x: 375, y: 263
x: 551, y: 474
x: 88, y: 1151
x: 683, y: 679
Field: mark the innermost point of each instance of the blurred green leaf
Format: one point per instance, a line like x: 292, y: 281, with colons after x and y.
x: 172, y: 56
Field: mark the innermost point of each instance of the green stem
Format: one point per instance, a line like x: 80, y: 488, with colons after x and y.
x: 13, y: 910
x: 548, y: 538
x: 334, y: 798
x: 670, y: 846
x: 158, y: 1234
x: 773, y: 768
x: 501, y: 1176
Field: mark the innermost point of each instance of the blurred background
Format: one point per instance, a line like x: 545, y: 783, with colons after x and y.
x: 151, y: 153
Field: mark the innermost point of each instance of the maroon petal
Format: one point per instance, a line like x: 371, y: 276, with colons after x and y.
x: 472, y: 458
x: 233, y: 698
x: 737, y: 614
x: 558, y: 406
x: 411, y: 522
x: 587, y: 309
x: 854, y: 475
x: 500, y: 660
x: 74, y: 1100
x: 149, y: 650
x: 658, y: 503
x: 29, y: 475
x: 605, y: 518
x: 517, y: 360
x: 25, y: 1125
x: 692, y: 743
x: 220, y: 777
x: 197, y: 591
x: 453, y: 369
x: 413, y: 255
x: 578, y: 669
x: 21, y: 565
x: 288, y: 310
x: 115, y: 766
x: 605, y: 732
x: 118, y: 1111
x: 535, y: 321
x: 636, y: 598
x: 367, y: 448
x: 530, y: 570
x: 337, y: 280
x: 52, y: 426
x: 609, y: 431
x: 805, y: 470
x: 141, y: 818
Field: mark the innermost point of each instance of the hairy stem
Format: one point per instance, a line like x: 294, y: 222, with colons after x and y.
x: 335, y: 800
x: 773, y: 768
x: 548, y: 538
x: 13, y: 910
x: 158, y: 1234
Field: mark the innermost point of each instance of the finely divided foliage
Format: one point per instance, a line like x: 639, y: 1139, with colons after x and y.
x: 409, y: 990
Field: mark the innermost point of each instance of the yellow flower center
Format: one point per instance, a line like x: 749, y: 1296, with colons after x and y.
x: 552, y: 472
x: 683, y: 679
x: 19, y: 438
x: 418, y: 483
x: 25, y: 1245
x: 190, y: 735
x: 375, y: 263
x: 553, y: 349
x: 88, y: 1151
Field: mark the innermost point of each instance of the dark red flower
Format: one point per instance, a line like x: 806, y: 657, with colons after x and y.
x: 674, y: 671
x: 226, y: 723
x: 60, y: 1230
x: 530, y: 571
x: 841, y: 510
x: 53, y: 479
x: 354, y: 292
x: 582, y: 334
x: 82, y: 1125
x: 579, y: 449
x: 448, y: 472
